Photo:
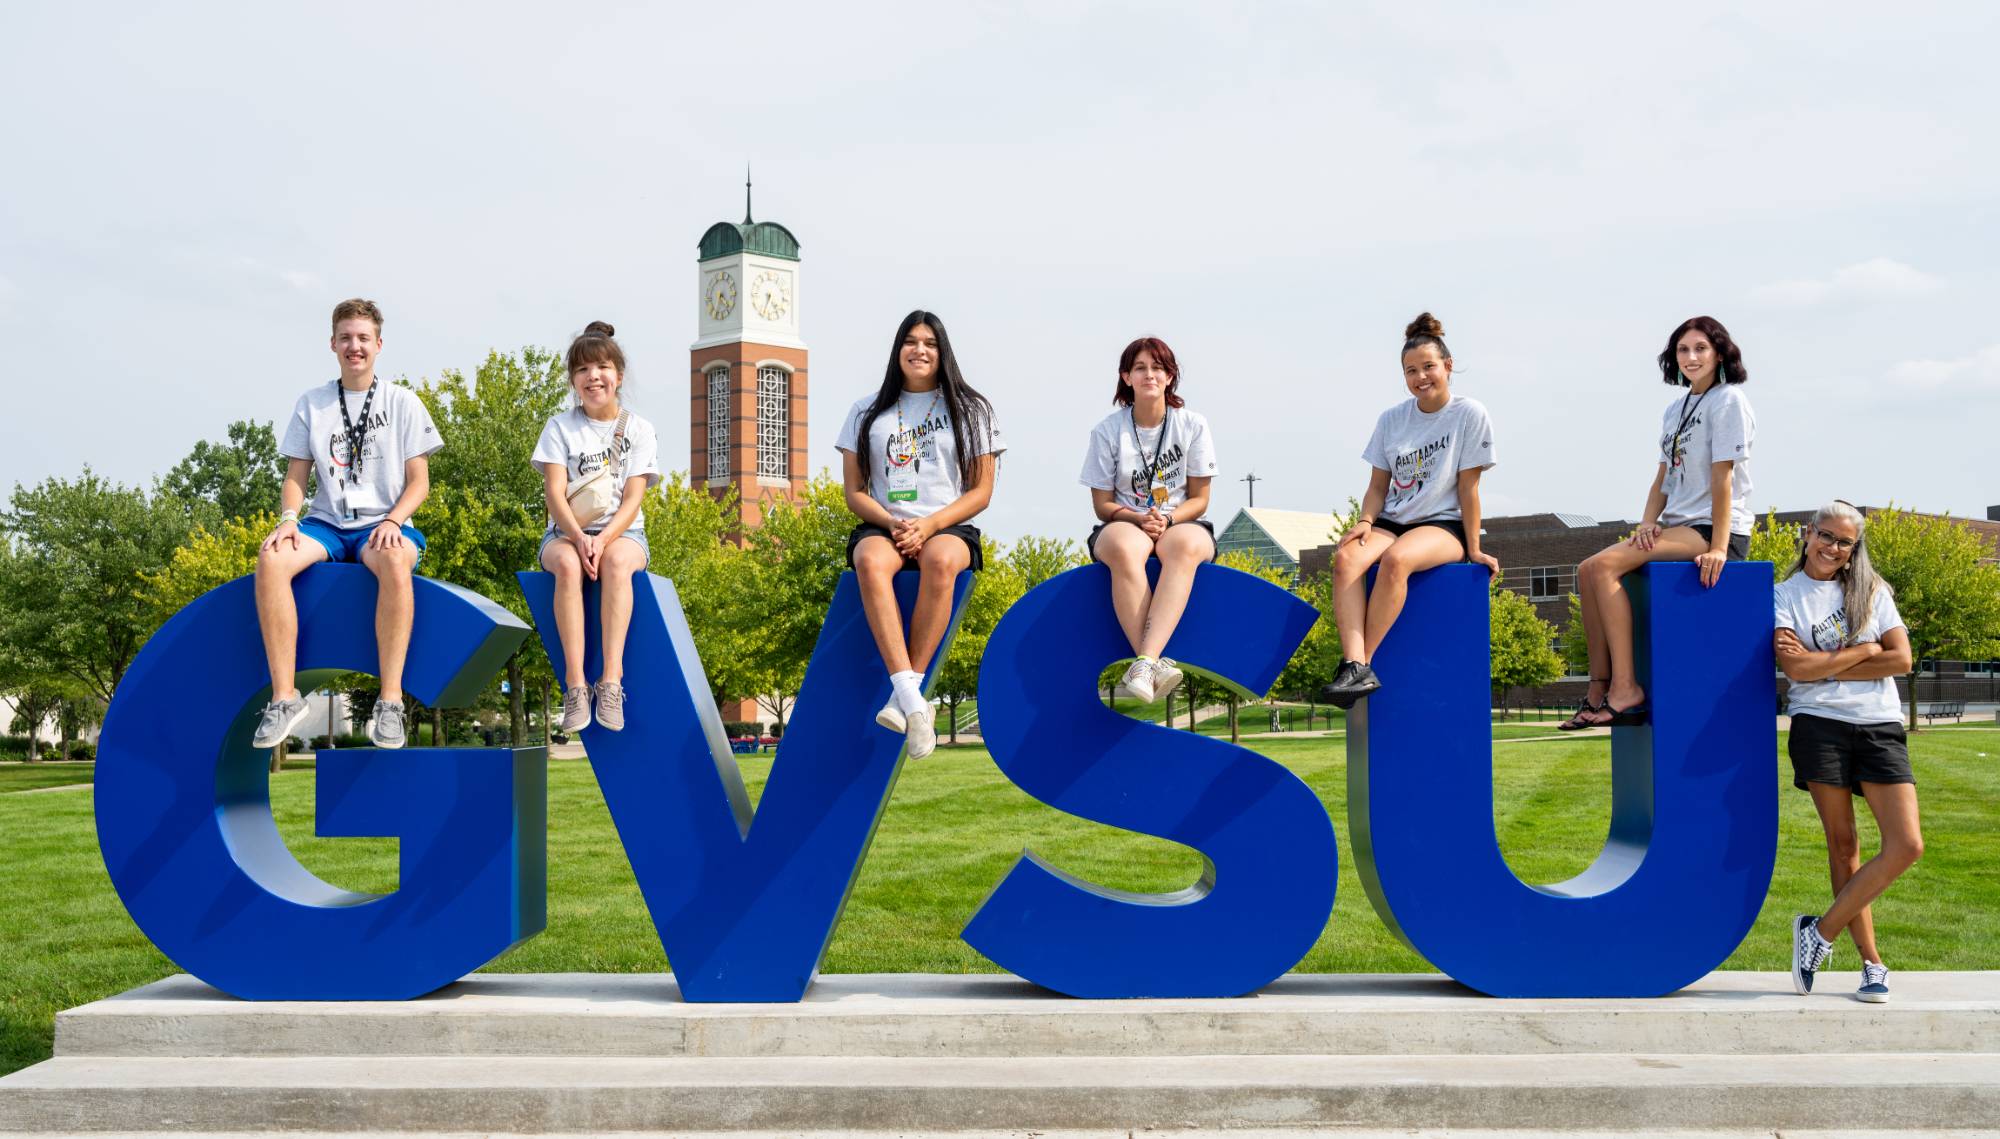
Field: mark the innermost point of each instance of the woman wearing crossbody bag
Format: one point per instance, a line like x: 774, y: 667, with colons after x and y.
x: 597, y: 460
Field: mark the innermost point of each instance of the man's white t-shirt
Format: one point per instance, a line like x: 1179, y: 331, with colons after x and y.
x: 1423, y: 453
x: 583, y: 446
x: 1720, y: 425
x: 1816, y: 613
x: 911, y: 457
x: 1180, y: 446
x: 399, y: 429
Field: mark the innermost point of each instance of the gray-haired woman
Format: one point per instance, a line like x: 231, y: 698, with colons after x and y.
x: 1841, y: 641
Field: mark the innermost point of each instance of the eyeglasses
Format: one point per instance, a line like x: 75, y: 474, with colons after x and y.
x: 1840, y: 545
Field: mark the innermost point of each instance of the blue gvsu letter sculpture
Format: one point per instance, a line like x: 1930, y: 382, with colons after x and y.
x: 746, y: 902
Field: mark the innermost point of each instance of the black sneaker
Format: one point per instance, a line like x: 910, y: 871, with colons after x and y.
x: 1809, y: 952
x: 1336, y: 690
x: 1365, y: 681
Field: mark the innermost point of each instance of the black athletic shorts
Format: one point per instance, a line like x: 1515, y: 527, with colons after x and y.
x: 1826, y: 750
x: 1451, y: 526
x: 1739, y: 544
x: 964, y: 532
x: 1090, y: 543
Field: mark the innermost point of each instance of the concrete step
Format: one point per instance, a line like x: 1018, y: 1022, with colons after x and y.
x: 544, y: 1094
x: 928, y: 1015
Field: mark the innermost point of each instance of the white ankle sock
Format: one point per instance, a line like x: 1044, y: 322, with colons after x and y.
x: 909, y: 691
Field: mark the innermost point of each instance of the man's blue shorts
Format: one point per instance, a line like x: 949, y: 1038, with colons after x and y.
x: 346, y: 545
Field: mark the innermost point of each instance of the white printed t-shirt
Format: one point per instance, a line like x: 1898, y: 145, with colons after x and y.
x: 583, y: 446
x: 399, y: 429
x: 911, y: 461
x: 1116, y: 458
x: 1720, y: 425
x: 1816, y: 613
x: 1423, y: 453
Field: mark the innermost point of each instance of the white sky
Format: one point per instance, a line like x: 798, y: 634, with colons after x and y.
x: 1275, y: 190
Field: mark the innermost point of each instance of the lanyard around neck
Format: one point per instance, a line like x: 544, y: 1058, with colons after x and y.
x: 356, y: 437
x: 1151, y: 462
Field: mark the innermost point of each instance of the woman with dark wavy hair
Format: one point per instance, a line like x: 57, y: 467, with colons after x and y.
x: 918, y: 459
x: 1698, y: 510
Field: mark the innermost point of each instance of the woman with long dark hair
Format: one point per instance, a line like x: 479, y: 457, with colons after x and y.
x: 1698, y: 510
x: 918, y: 459
x: 1421, y: 508
x: 1148, y: 467
x: 1841, y: 642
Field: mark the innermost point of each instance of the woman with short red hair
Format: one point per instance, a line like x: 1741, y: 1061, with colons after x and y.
x: 1148, y: 468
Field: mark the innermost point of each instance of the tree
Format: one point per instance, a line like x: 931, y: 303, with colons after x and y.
x: 485, y: 516
x: 794, y: 561
x: 1575, y: 642
x: 692, y: 536
x: 1523, y: 656
x: 207, y: 559
x: 1318, y: 656
x: 71, y: 602
x: 1037, y: 560
x: 221, y: 481
x: 1775, y: 542
x: 994, y: 590
x: 1949, y: 597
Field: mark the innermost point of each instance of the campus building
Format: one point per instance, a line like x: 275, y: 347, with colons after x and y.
x: 1540, y: 554
x: 1279, y: 538
x: 747, y: 383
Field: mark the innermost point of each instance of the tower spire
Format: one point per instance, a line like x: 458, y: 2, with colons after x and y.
x: 746, y: 194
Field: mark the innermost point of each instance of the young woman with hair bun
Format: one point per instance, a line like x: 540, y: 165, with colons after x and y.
x: 1148, y: 466
x: 1841, y: 643
x: 597, y: 461
x: 1698, y: 509
x: 1421, y: 508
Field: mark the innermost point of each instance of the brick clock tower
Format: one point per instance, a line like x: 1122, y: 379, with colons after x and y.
x: 747, y: 367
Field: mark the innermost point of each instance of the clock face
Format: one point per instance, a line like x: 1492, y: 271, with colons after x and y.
x: 720, y: 296
x: 771, y: 295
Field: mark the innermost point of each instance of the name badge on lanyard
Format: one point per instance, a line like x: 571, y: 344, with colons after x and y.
x: 903, y: 482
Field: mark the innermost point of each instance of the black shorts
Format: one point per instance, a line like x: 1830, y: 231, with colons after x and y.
x: 1739, y: 544
x: 1090, y: 543
x: 1825, y: 750
x: 964, y: 532
x: 1451, y: 526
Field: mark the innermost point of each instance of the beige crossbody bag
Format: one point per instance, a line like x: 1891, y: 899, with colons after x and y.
x: 593, y: 499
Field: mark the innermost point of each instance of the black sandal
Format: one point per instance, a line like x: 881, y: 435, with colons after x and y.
x: 1577, y: 722
x: 1637, y: 716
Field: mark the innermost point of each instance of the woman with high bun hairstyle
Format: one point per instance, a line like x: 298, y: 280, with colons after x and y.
x: 597, y: 461
x: 1841, y: 642
x: 1421, y: 509
x: 1698, y: 510
x: 1148, y: 466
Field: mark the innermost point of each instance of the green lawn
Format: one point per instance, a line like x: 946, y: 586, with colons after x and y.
x: 951, y: 831
x: 29, y: 776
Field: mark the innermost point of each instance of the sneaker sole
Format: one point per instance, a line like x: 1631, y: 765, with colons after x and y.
x: 297, y: 719
x: 1872, y: 998
x: 1162, y: 691
x: 892, y: 718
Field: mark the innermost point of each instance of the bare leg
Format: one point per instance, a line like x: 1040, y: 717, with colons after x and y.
x: 1895, y: 808
x: 621, y: 560
x: 1350, y: 590
x: 1182, y: 549
x: 939, y: 565
x: 1614, y: 606
x: 278, y: 611
x: 1843, y: 857
x: 395, y: 605
x: 876, y: 563
x: 560, y: 559
x: 1123, y: 549
x: 1419, y: 549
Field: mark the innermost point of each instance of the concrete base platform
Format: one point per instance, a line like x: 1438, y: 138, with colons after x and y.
x: 1737, y: 1054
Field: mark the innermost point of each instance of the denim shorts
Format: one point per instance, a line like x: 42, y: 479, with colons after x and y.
x: 346, y: 545
x: 638, y: 536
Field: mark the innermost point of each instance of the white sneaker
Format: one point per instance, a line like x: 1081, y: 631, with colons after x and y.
x: 576, y: 709
x: 891, y: 717
x: 920, y: 736
x: 1137, y: 683
x: 1166, y: 678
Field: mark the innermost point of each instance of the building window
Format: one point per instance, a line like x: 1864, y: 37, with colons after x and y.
x: 1550, y: 583
x: 774, y: 423
x: 718, y: 424
x: 1982, y: 667
x: 1927, y: 667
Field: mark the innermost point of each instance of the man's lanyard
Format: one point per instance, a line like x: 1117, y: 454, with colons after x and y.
x: 355, y: 437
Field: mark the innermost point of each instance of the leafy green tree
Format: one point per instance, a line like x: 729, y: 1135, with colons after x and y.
x: 1522, y: 651
x: 1775, y: 542
x: 1575, y: 643
x: 1037, y: 560
x: 71, y: 601
x: 795, y: 559
x: 994, y: 590
x: 1318, y: 657
x: 231, y: 479
x: 484, y: 519
x: 207, y: 559
x: 692, y: 534
x: 1947, y: 593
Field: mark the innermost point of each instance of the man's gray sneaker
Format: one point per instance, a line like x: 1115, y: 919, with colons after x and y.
x: 278, y: 720
x: 610, y: 706
x: 576, y: 709
x: 391, y: 728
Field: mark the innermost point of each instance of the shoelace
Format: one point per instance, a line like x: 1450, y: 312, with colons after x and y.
x: 611, y: 697
x: 1872, y: 974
